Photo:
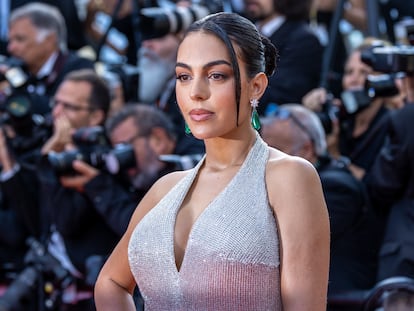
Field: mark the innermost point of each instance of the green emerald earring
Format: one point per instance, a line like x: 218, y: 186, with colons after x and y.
x: 187, y: 129
x: 255, y: 119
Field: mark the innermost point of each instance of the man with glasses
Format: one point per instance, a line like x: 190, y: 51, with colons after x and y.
x: 80, y: 101
x: 355, y: 232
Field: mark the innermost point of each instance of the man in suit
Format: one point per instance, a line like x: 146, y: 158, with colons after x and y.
x: 285, y: 23
x: 37, y: 40
x: 355, y: 231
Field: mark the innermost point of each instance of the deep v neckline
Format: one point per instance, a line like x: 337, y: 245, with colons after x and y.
x: 189, y: 182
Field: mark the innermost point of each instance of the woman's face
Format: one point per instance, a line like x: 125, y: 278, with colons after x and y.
x: 206, y: 87
x: 356, y: 72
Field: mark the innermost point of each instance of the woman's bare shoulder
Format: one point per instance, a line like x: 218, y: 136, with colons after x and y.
x: 281, y: 163
x: 290, y: 177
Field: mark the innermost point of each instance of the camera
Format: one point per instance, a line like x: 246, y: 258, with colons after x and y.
x: 328, y: 114
x: 404, y: 31
x: 156, y: 22
x: 124, y: 74
x: 375, y: 86
x: 42, y: 281
x: 94, y: 148
x: 16, y: 104
x: 30, y: 130
x: 390, y: 59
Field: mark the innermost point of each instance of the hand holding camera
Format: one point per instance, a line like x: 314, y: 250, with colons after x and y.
x: 92, y: 147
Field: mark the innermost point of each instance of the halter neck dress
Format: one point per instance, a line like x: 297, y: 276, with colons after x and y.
x: 231, y: 261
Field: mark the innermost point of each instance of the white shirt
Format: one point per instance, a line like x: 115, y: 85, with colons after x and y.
x: 270, y: 27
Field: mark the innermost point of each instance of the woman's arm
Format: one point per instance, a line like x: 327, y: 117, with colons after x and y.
x: 115, y: 284
x: 296, y: 196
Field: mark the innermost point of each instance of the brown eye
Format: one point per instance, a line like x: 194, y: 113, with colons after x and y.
x: 183, y: 77
x: 217, y: 76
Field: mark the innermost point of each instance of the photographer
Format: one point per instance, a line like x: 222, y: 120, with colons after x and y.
x: 391, y: 187
x: 37, y: 41
x: 22, y: 135
x: 71, y: 229
x: 18, y: 213
x: 359, y: 132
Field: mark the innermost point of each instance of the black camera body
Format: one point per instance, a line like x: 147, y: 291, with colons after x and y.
x: 390, y: 59
x: 328, y: 114
x: 31, y: 130
x: 16, y: 104
x: 129, y: 77
x: 156, y: 22
x: 382, y: 85
x: 94, y: 148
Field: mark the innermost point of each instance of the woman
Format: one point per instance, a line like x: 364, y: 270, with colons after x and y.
x: 247, y: 228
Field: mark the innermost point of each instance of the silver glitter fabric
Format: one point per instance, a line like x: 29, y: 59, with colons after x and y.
x: 232, y: 257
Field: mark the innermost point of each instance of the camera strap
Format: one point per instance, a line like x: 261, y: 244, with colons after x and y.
x: 102, y: 41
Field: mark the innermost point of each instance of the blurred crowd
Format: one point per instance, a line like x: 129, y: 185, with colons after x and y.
x: 89, y: 121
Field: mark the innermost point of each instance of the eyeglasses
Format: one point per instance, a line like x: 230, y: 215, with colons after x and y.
x: 68, y: 106
x: 284, y: 114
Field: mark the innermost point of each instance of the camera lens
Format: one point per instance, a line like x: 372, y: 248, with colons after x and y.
x: 62, y: 162
x: 121, y: 157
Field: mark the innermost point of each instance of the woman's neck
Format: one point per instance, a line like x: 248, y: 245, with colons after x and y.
x: 225, y: 152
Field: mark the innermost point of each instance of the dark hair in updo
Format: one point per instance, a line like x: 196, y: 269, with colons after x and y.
x: 255, y: 50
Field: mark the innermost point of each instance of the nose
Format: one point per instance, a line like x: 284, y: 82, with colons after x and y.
x: 199, y: 89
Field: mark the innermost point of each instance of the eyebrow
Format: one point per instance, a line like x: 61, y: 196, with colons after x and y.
x: 208, y: 65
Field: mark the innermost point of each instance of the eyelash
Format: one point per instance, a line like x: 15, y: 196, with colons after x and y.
x: 213, y: 76
x: 217, y: 76
x: 182, y: 77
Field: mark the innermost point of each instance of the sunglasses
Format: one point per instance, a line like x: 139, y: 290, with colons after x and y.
x: 284, y: 114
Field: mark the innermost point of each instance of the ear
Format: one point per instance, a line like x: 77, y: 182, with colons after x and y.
x: 160, y: 141
x: 97, y: 117
x: 258, y: 85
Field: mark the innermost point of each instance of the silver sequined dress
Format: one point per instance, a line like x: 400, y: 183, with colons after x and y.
x: 232, y: 257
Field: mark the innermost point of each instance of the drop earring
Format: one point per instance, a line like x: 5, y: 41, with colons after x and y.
x: 187, y: 129
x: 255, y: 119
